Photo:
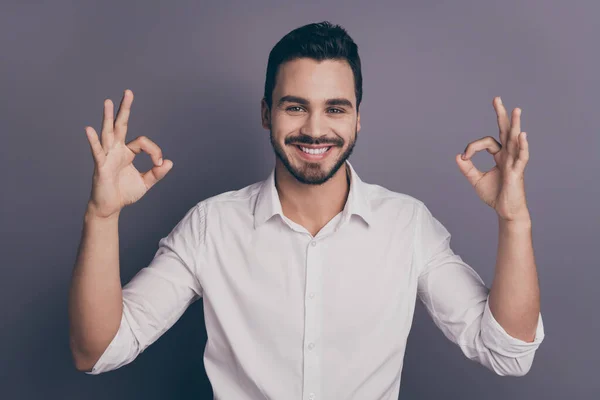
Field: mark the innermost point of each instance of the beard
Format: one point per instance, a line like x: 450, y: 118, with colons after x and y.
x: 313, y: 173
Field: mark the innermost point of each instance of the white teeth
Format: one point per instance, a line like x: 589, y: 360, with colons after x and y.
x: 314, y: 151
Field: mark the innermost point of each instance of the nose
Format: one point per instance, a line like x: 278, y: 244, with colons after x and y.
x: 313, y: 126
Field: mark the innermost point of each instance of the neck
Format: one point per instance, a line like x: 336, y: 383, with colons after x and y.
x: 312, y: 206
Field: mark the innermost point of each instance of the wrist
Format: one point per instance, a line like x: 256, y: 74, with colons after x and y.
x: 516, y: 223
x: 91, y: 214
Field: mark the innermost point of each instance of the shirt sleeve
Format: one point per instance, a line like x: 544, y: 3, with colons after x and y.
x: 457, y: 300
x: 158, y: 294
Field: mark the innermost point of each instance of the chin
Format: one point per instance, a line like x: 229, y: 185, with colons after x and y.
x: 313, y: 172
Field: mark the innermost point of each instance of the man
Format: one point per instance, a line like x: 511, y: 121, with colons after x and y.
x: 309, y: 279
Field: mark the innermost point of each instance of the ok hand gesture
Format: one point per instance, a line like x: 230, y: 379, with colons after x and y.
x: 116, y: 182
x: 503, y: 186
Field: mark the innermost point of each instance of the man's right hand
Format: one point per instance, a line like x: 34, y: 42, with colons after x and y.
x: 116, y: 182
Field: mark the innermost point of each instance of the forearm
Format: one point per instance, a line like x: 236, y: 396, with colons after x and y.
x: 515, y: 295
x: 95, y: 297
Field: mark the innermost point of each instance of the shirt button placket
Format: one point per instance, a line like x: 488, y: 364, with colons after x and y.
x: 312, y: 322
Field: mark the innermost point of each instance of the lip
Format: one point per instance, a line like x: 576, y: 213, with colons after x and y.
x: 313, y: 157
x: 314, y: 146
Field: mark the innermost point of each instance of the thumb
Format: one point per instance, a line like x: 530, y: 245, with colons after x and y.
x: 156, y: 173
x: 468, y: 169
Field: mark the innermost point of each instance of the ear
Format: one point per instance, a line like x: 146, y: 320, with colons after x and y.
x: 358, y: 123
x: 265, y: 114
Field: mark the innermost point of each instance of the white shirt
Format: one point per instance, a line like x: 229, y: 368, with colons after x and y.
x: 292, y: 316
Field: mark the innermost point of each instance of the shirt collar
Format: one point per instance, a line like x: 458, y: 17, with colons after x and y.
x: 268, y: 203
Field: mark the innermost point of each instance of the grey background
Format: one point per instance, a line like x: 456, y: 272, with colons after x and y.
x: 431, y: 70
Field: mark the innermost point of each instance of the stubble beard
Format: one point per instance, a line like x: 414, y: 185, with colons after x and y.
x: 311, y: 173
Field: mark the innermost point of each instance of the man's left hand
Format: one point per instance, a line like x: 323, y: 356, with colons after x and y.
x: 503, y: 186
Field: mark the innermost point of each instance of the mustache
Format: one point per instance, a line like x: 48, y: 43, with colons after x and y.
x: 310, y: 140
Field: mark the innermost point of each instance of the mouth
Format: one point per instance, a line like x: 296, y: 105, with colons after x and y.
x: 314, y: 153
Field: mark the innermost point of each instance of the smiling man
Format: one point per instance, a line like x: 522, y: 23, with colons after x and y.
x: 309, y: 278
x: 313, y: 128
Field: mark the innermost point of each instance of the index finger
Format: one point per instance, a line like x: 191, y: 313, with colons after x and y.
x: 143, y: 143
x: 123, y: 115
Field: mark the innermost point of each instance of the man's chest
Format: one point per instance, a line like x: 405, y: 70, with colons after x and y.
x: 341, y: 282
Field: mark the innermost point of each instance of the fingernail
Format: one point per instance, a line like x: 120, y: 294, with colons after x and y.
x: 160, y: 161
x: 499, y: 100
x: 463, y: 156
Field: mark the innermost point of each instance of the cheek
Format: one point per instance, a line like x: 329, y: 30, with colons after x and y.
x: 344, y: 126
x: 286, y: 123
x: 348, y: 132
x: 282, y: 129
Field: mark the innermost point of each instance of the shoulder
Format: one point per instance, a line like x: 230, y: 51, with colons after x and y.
x: 384, y: 199
x: 231, y: 202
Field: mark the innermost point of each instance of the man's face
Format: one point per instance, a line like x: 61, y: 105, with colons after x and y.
x: 314, y: 110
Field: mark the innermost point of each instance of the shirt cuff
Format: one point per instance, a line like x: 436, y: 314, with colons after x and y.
x: 498, y: 340
x: 118, y: 352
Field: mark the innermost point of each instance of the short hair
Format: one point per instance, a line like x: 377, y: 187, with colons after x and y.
x: 319, y: 41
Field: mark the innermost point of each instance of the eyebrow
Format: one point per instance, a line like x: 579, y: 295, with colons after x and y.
x: 305, y: 102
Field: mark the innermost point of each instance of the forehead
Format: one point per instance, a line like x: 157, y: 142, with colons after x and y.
x: 316, y: 80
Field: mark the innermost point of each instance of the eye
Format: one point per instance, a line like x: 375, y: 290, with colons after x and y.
x: 297, y: 108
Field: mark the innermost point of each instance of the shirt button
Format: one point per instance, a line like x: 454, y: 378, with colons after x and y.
x: 311, y: 396
x: 311, y: 295
x: 313, y: 243
x: 311, y: 346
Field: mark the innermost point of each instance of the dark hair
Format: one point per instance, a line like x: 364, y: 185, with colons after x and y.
x: 319, y: 41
